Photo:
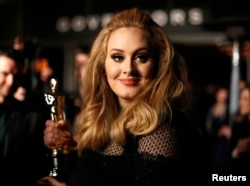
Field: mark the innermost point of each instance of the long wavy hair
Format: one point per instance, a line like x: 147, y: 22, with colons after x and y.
x: 101, y: 119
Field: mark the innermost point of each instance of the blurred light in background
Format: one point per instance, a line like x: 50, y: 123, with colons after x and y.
x: 174, y: 18
x: 78, y: 23
x: 63, y: 24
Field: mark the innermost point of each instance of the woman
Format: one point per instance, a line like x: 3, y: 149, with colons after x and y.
x: 240, y: 139
x: 130, y: 130
x: 218, y: 130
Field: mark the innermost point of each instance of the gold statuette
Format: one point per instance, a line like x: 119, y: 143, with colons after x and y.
x: 56, y: 101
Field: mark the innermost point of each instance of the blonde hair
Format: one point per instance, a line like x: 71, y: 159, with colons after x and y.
x: 101, y: 119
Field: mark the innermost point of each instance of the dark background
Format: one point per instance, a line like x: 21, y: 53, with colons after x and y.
x: 207, y: 63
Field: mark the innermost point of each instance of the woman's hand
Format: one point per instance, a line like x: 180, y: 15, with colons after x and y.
x: 242, y: 146
x: 225, y: 131
x: 50, y: 181
x: 58, y: 135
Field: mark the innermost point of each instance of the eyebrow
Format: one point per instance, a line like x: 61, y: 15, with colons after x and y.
x: 120, y: 50
x: 116, y: 49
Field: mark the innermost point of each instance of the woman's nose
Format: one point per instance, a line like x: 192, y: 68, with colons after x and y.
x: 128, y: 66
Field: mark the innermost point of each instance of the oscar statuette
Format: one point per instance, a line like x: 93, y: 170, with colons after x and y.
x: 59, y: 155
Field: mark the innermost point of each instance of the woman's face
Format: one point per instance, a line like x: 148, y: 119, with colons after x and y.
x: 244, y: 101
x: 129, y: 63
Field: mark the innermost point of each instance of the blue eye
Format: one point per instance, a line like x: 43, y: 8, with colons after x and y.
x: 142, y: 58
x: 117, y: 58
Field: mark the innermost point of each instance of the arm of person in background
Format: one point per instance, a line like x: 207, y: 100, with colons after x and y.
x: 243, y: 145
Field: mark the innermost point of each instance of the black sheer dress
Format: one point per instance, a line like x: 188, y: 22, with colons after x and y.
x: 166, y: 156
